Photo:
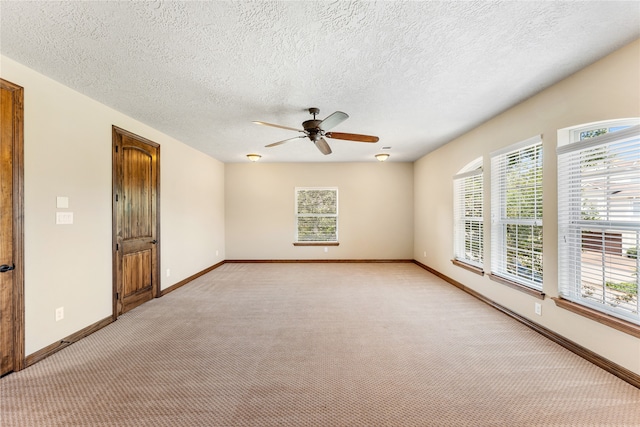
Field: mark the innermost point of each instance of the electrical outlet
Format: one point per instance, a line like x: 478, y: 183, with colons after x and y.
x: 326, y: 249
x: 424, y: 254
x: 538, y: 309
x: 168, y: 272
x: 59, y: 314
x: 217, y: 253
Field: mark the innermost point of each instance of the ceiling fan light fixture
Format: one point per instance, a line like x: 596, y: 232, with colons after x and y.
x: 254, y: 157
x: 382, y: 157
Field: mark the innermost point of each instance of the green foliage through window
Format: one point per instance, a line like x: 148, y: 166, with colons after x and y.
x: 517, y: 211
x: 317, y: 215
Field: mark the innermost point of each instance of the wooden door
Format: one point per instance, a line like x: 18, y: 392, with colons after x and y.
x: 136, y: 221
x: 11, y: 234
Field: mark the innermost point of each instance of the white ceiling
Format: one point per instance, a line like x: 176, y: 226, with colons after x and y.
x: 416, y: 74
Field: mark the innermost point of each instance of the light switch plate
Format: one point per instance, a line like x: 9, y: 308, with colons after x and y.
x: 62, y: 202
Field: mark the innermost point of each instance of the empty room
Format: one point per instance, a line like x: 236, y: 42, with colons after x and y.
x: 319, y: 213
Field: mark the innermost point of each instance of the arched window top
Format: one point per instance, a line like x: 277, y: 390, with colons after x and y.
x: 473, y: 165
x: 589, y: 130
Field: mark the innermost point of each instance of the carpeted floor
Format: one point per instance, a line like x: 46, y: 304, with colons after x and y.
x: 316, y: 345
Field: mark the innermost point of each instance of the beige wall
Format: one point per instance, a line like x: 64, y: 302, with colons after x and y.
x: 68, y: 153
x: 375, y: 209
x: 211, y: 211
x: 608, y: 89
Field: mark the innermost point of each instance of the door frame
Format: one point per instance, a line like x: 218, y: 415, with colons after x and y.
x: 116, y: 176
x: 18, y: 222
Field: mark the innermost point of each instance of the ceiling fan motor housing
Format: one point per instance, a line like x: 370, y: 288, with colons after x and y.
x: 311, y: 124
x: 312, y: 127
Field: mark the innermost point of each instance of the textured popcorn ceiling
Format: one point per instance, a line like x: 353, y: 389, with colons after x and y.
x: 417, y: 74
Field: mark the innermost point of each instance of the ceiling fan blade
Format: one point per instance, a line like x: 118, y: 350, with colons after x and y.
x: 322, y: 145
x: 284, y: 140
x: 352, y: 137
x: 277, y: 126
x: 333, y: 120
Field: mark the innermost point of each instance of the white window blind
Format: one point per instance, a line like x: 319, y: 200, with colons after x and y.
x: 516, y: 213
x: 316, y: 214
x: 468, y: 217
x: 599, y: 221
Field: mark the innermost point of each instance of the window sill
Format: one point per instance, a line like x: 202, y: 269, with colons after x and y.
x: 605, y: 319
x: 316, y: 244
x: 471, y: 268
x: 517, y: 286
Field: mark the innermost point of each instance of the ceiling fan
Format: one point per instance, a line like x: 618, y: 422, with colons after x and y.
x: 316, y: 131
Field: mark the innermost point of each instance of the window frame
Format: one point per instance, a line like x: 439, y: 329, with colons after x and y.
x: 574, y: 132
x: 500, y: 221
x: 572, y: 182
x: 461, y: 241
x: 297, y: 241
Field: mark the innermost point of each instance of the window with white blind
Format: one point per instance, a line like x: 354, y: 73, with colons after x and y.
x: 516, y: 213
x: 468, y: 232
x: 316, y: 214
x: 599, y: 219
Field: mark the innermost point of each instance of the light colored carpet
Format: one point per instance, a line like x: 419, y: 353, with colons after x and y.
x: 316, y: 345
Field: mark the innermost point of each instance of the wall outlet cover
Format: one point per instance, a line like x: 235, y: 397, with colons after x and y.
x: 538, y: 309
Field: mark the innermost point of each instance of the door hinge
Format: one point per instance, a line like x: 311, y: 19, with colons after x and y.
x: 117, y: 295
x: 117, y: 247
x: 116, y: 197
x: 116, y: 148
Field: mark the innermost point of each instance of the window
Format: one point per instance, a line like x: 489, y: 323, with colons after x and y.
x: 316, y: 214
x: 468, y: 233
x: 599, y: 219
x: 516, y: 213
x: 592, y: 130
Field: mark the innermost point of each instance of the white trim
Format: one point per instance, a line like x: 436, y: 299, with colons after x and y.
x: 517, y: 146
x: 468, y: 174
x: 473, y: 165
x: 568, y: 134
x: 629, y: 133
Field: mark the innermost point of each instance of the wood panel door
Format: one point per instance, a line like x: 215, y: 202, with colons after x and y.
x: 136, y: 220
x: 11, y: 232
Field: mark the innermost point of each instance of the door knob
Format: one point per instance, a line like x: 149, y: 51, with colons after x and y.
x: 4, y: 268
x: 154, y: 241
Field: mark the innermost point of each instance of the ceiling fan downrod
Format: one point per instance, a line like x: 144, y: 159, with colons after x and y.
x: 312, y: 127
